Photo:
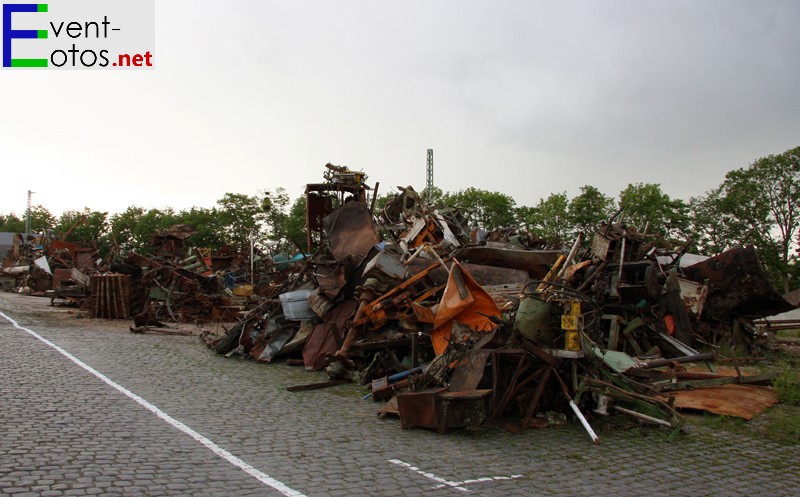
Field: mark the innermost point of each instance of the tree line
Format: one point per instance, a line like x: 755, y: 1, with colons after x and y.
x: 755, y: 205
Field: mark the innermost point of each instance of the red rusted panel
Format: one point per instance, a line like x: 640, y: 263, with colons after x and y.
x: 536, y: 262
x: 326, y: 338
x: 351, y: 233
x: 743, y: 401
x: 739, y: 287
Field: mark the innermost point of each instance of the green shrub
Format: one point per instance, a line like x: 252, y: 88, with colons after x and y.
x: 787, y: 385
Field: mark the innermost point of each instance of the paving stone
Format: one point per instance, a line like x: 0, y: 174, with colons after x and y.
x: 90, y: 438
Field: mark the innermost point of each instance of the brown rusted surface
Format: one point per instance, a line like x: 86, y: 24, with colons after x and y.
x: 330, y: 277
x: 111, y: 296
x: 323, y: 198
x: 351, y: 233
x: 485, y: 275
x: 418, y: 286
x: 536, y: 262
x: 492, y: 275
x: 469, y: 372
x: 326, y: 338
x: 739, y: 287
x: 441, y: 410
x: 743, y: 401
x: 418, y: 409
x: 317, y: 207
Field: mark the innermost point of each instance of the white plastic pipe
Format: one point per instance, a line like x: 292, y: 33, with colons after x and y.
x: 643, y: 417
x: 589, y: 430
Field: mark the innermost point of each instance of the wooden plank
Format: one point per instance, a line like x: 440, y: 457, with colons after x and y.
x: 715, y: 382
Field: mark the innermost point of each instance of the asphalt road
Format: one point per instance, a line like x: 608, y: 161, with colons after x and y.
x: 87, y: 408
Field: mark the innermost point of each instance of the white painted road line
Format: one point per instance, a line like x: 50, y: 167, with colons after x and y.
x: 458, y: 485
x: 216, y: 449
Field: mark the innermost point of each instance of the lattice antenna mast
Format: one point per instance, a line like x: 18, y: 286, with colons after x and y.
x: 429, y: 183
x: 28, y: 216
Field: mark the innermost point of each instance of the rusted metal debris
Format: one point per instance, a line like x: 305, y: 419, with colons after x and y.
x: 45, y: 266
x: 455, y: 326
x: 738, y: 286
x: 460, y: 327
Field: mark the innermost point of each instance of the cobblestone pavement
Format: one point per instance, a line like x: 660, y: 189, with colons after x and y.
x: 65, y: 432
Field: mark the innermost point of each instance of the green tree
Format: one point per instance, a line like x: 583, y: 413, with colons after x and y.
x: 11, y: 223
x: 761, y: 203
x: 648, y: 209
x: 712, y: 229
x: 88, y: 228
x: 484, y: 209
x: 239, y: 215
x: 41, y: 219
x: 549, y: 219
x: 527, y: 218
x: 381, y: 201
x: 436, y: 195
x: 123, y: 229
x: 295, y: 230
x: 276, y: 207
x: 206, y: 223
x: 589, y: 209
x: 133, y: 229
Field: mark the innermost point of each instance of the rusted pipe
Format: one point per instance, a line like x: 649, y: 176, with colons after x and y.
x: 657, y: 363
x: 572, y: 253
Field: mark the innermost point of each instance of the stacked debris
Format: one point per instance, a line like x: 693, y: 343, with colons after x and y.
x: 41, y: 265
x: 458, y: 326
x: 182, y: 283
x: 178, y: 283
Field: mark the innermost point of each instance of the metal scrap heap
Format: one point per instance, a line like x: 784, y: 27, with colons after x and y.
x: 457, y: 327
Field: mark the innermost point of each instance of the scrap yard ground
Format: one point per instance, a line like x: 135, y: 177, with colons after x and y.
x: 194, y: 420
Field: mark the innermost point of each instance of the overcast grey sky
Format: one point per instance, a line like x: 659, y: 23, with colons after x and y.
x: 526, y: 98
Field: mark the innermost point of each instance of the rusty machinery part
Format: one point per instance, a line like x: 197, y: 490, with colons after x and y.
x: 560, y: 290
x: 564, y: 297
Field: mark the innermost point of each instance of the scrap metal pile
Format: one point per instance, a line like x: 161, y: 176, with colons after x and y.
x: 51, y: 267
x: 458, y: 327
x: 451, y: 325
x: 177, y: 283
x: 180, y: 283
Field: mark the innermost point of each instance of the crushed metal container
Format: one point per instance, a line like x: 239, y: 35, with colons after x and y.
x: 295, y: 305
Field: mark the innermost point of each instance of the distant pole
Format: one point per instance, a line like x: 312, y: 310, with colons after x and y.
x: 28, y: 217
x: 252, y: 262
x: 429, y: 183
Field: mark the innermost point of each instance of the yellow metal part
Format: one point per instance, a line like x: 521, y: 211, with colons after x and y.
x: 551, y: 274
x: 570, y: 323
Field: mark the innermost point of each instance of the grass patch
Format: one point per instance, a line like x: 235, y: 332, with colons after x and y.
x: 727, y: 423
x: 784, y: 424
x: 779, y: 424
x: 787, y: 384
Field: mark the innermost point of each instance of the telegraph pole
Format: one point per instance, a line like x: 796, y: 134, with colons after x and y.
x: 28, y: 216
x: 429, y: 183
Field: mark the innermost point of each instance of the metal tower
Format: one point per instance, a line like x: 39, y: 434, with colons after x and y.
x: 28, y: 217
x: 429, y: 184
